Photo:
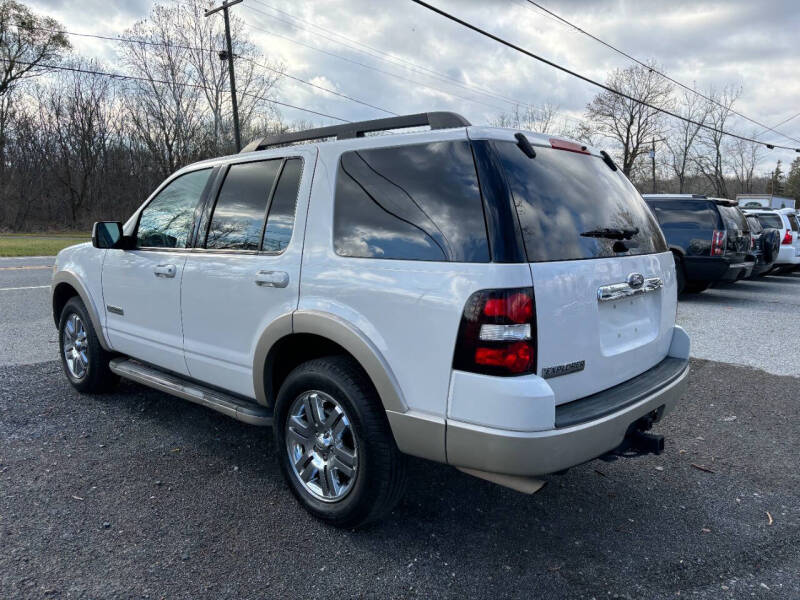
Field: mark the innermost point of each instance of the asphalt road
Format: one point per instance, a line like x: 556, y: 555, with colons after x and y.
x: 136, y: 494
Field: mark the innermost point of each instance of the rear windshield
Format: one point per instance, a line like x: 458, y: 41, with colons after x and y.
x: 561, y: 194
x: 793, y: 222
x: 685, y: 214
x: 755, y: 225
x: 734, y: 218
x: 771, y: 221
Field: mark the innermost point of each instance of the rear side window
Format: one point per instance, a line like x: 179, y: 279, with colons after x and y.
x: 733, y: 217
x: 417, y: 202
x: 771, y: 221
x: 166, y: 222
x: 792, y: 222
x: 241, y: 206
x: 684, y: 214
x: 280, y: 221
x: 559, y: 195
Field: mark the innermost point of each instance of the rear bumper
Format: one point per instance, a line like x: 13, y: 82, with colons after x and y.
x: 787, y: 255
x: 707, y: 268
x: 591, y: 428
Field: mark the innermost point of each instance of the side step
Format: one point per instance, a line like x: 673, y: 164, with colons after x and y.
x: 239, y: 409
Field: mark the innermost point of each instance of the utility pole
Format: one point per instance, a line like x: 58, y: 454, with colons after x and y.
x: 653, y: 161
x: 229, y: 56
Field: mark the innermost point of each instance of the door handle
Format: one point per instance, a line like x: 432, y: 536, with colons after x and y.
x: 276, y: 279
x: 165, y: 271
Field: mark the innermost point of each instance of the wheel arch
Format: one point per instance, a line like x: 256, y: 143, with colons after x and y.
x: 66, y: 285
x: 303, y: 335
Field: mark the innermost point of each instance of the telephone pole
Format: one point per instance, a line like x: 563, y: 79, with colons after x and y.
x: 653, y: 159
x: 229, y: 56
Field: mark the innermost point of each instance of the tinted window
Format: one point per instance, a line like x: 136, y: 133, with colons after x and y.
x: 241, y: 206
x: 792, y: 222
x: 280, y: 221
x: 684, y: 214
x: 733, y: 217
x: 166, y: 222
x: 755, y: 225
x: 419, y: 202
x: 773, y: 221
x: 560, y: 195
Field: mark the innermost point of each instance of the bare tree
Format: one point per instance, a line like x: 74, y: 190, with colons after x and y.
x: 682, y: 136
x: 544, y: 119
x: 743, y: 158
x: 712, y: 160
x: 629, y: 123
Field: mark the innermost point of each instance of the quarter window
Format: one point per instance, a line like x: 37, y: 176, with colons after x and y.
x: 166, y: 222
x: 416, y: 202
x: 241, y: 205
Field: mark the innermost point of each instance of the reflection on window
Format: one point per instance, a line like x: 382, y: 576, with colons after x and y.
x: 166, y: 222
x: 280, y: 221
x: 418, y: 202
x: 241, y: 206
x: 685, y: 214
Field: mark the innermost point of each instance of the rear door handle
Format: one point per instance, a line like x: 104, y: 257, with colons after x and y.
x: 165, y: 271
x: 276, y: 279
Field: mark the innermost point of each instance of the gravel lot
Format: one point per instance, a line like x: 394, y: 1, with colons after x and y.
x: 137, y: 494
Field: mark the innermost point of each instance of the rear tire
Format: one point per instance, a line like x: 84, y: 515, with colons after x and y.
x: 341, y: 461
x: 695, y: 287
x: 83, y: 359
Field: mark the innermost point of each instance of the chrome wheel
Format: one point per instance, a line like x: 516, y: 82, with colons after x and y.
x: 75, y: 347
x: 322, y: 446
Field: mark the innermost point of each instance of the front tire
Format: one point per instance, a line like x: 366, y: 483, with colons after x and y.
x: 83, y: 359
x: 334, y: 444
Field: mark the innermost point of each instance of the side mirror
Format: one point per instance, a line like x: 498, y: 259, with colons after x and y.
x: 107, y: 234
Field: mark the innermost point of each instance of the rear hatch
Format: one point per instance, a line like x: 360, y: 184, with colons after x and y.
x: 586, y: 228
x: 737, y: 233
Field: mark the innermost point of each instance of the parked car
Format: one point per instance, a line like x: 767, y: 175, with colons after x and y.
x: 498, y: 301
x: 709, y: 238
x: 785, y: 221
x: 764, y: 247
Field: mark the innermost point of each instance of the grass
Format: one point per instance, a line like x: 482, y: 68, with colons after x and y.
x: 38, y: 244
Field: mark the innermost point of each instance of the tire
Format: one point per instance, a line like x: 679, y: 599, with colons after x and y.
x: 680, y: 274
x: 360, y: 436
x: 87, y: 368
x: 695, y: 287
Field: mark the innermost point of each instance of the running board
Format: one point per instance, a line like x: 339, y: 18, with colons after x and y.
x: 239, y: 409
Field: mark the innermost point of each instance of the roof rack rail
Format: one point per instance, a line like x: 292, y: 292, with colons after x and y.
x: 436, y: 120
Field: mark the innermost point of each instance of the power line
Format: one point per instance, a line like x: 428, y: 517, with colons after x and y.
x: 654, y: 70
x: 165, y: 82
x: 391, y: 58
x: 591, y: 81
x: 199, y: 49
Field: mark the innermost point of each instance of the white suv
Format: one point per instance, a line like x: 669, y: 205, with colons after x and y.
x: 499, y: 301
x: 786, y: 222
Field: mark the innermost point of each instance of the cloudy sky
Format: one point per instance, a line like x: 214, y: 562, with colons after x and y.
x: 399, y: 56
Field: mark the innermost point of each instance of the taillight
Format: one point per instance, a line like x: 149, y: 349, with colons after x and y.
x: 718, y: 243
x: 752, y: 242
x: 787, y: 238
x: 497, y: 335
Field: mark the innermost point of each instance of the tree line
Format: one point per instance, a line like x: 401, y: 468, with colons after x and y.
x: 77, y: 145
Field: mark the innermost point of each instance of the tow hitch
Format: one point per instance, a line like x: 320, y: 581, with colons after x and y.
x: 638, y: 441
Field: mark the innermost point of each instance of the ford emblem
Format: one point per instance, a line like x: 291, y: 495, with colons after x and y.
x: 635, y: 280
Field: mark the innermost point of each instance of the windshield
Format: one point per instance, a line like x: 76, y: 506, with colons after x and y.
x: 572, y: 206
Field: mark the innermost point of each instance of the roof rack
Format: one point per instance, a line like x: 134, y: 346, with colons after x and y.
x: 436, y: 120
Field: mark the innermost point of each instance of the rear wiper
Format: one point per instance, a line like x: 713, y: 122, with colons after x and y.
x: 611, y: 234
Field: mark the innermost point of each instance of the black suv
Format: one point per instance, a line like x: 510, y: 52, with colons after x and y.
x: 710, y: 238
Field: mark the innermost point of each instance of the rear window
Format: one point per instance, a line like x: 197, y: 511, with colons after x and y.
x: 561, y: 194
x: 755, y: 225
x: 733, y: 217
x: 416, y: 202
x: 685, y: 214
x: 793, y: 222
x: 771, y: 221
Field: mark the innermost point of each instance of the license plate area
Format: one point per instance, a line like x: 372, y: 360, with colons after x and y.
x: 628, y: 323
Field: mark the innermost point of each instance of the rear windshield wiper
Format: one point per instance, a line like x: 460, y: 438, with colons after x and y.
x: 611, y: 234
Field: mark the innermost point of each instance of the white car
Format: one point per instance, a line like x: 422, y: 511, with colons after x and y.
x: 499, y: 301
x: 785, y: 221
